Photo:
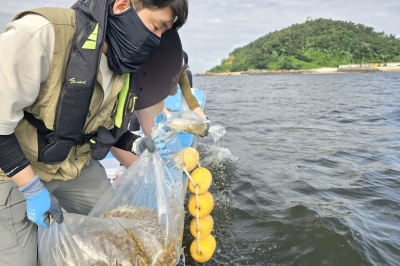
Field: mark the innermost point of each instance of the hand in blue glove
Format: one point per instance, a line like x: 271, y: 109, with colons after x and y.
x: 40, y: 204
x: 147, y: 143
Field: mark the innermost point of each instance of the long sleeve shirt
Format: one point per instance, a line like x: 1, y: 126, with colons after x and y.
x: 26, y: 49
x: 187, y: 92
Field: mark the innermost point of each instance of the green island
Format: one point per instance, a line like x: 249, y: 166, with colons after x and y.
x: 314, y: 44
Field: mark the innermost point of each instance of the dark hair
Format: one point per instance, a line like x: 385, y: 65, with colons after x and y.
x: 179, y: 7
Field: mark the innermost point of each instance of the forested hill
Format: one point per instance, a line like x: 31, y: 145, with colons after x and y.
x: 314, y: 44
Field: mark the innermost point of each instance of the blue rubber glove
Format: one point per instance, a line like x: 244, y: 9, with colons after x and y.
x: 147, y: 143
x: 40, y: 204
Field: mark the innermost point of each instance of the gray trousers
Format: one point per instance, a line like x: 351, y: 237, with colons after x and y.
x: 18, y: 235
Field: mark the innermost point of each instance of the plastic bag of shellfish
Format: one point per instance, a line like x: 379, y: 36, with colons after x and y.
x: 186, y: 121
x: 138, y: 221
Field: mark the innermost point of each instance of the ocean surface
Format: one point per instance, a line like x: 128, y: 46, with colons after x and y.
x: 308, y: 172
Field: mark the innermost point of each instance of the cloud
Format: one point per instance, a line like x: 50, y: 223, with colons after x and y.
x: 215, y: 28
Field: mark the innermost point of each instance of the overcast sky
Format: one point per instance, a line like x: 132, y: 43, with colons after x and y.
x: 215, y: 28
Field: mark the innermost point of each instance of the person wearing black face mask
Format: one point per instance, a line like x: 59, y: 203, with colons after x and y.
x: 127, y: 51
x: 97, y: 55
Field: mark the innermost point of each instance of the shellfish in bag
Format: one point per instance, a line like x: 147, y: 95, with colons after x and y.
x: 138, y: 221
x: 187, y: 122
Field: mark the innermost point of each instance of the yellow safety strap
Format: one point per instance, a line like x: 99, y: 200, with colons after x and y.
x: 119, y: 117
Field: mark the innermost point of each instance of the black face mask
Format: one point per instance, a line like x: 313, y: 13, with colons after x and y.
x: 129, y: 41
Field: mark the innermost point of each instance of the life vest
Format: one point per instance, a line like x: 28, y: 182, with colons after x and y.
x: 74, y: 101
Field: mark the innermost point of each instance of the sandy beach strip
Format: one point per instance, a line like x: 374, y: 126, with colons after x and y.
x: 389, y: 69
x: 324, y: 70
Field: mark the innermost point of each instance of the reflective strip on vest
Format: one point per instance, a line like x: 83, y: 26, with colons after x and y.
x: 90, y: 44
x: 122, y: 96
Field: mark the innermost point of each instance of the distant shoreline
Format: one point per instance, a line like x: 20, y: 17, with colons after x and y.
x: 307, y: 72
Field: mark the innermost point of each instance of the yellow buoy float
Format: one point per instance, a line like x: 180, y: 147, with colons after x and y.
x: 190, y: 158
x: 206, y: 204
x: 202, y: 177
x: 206, y: 225
x: 207, y: 249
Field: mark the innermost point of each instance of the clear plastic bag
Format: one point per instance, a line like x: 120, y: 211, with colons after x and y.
x: 217, y: 131
x: 187, y: 121
x: 138, y: 221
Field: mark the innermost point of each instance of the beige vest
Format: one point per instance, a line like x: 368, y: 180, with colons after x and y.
x: 44, y: 108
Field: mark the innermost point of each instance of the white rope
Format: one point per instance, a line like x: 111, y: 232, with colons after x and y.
x: 197, y: 219
x: 197, y: 209
x: 183, y: 256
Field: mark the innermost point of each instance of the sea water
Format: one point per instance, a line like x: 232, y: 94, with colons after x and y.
x: 309, y: 169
